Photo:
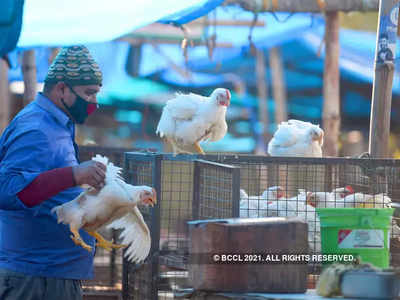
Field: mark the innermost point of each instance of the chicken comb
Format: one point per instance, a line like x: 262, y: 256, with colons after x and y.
x: 349, y: 189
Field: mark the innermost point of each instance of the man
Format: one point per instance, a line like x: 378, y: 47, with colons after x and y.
x: 39, y: 169
x: 384, y: 53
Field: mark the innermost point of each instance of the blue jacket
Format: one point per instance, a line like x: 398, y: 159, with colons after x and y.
x: 38, y: 139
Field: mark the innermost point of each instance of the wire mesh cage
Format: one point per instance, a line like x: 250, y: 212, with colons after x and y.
x: 284, y: 186
x: 215, y: 190
x: 194, y: 187
x: 140, y: 281
x: 187, y: 189
x: 107, y: 265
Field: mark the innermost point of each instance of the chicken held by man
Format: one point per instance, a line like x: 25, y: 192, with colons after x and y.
x: 115, y: 205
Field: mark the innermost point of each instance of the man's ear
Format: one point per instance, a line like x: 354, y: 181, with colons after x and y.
x: 60, y: 88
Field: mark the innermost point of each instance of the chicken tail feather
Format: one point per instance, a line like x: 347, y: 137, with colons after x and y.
x: 113, y: 172
x: 58, y: 210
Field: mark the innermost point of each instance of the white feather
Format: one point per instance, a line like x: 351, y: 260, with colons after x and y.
x: 296, y: 138
x: 256, y: 206
x: 115, y: 204
x: 191, y: 118
x: 134, y: 230
x: 297, y: 206
x: 113, y: 172
x: 358, y: 200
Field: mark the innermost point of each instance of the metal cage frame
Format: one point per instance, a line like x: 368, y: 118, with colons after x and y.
x: 366, y: 175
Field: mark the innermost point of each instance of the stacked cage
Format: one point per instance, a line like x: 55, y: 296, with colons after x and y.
x: 194, y: 187
x: 308, y: 183
x: 187, y: 189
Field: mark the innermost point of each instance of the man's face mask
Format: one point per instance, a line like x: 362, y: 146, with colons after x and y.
x: 81, y: 108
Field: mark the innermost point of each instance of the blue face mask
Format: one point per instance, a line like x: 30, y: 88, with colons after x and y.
x: 81, y: 108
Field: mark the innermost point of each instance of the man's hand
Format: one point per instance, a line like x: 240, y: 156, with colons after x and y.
x: 90, y: 172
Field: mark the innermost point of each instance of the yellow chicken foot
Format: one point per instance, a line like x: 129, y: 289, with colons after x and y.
x: 198, y: 148
x: 102, y: 242
x: 78, y: 240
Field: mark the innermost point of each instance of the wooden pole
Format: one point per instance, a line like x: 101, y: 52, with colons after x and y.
x: 134, y: 58
x: 306, y: 5
x: 382, y: 87
x: 262, y: 93
x: 278, y: 85
x: 331, y: 109
x: 29, y: 73
x: 4, y: 96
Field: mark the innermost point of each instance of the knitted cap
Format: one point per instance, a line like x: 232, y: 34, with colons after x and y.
x: 75, y: 66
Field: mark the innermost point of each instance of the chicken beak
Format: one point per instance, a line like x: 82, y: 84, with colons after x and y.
x: 154, y: 198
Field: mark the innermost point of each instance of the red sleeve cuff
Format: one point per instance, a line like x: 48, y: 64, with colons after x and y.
x: 46, y: 185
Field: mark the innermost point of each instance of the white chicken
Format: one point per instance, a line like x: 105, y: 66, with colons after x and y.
x: 114, y: 205
x: 353, y: 200
x: 298, y: 207
x: 291, y: 207
x: 342, y: 192
x: 330, y: 199
x: 256, y: 206
x: 297, y: 138
x: 189, y: 119
x: 357, y: 200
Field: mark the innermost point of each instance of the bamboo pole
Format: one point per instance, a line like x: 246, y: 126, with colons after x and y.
x: 331, y: 109
x: 307, y: 5
x: 4, y: 96
x: 262, y: 93
x: 29, y: 73
x: 382, y: 86
x: 278, y: 85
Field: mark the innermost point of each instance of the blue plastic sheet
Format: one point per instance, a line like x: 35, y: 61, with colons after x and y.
x: 66, y: 22
x: 10, y: 24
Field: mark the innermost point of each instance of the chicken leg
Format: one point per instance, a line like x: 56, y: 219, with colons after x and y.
x: 198, y: 148
x: 102, y: 242
x: 175, y: 149
x: 77, y: 239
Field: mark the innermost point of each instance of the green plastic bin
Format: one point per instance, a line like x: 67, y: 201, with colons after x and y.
x: 362, y: 232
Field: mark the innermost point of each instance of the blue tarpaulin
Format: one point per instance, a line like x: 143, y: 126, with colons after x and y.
x: 66, y: 22
x: 191, y: 13
x: 299, y: 37
x: 10, y: 24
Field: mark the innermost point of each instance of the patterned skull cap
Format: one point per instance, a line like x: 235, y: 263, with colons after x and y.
x: 75, y: 66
